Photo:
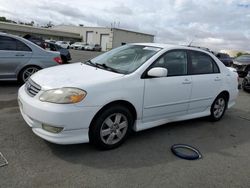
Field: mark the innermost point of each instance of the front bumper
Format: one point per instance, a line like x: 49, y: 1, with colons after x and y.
x: 74, y: 119
x: 246, y: 83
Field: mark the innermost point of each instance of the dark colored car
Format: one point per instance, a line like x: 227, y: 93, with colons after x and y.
x: 37, y: 40
x: 225, y: 59
x: 246, y: 83
x: 242, y: 65
x: 65, y: 55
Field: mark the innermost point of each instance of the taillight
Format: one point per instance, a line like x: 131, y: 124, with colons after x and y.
x: 58, y: 60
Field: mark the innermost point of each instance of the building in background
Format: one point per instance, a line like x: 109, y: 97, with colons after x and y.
x: 108, y: 38
x: 45, y: 33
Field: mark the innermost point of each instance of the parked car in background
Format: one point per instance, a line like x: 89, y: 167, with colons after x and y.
x: 246, y: 82
x: 53, y: 41
x: 225, y: 59
x: 65, y: 54
x: 20, y: 58
x: 133, y: 87
x: 78, y: 46
x: 37, y: 40
x: 63, y: 44
x: 242, y: 65
x: 93, y: 47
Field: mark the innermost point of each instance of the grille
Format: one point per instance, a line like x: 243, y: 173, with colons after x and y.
x: 32, y: 88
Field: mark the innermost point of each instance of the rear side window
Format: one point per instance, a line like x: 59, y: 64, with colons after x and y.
x: 8, y: 43
x: 20, y: 46
x: 202, y: 63
x: 174, y: 61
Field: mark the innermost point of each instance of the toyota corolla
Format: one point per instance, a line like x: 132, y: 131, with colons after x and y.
x: 133, y: 87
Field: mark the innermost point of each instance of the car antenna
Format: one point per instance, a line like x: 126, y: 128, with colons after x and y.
x: 190, y: 43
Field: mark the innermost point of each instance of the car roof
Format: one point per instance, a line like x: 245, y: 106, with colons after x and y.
x: 171, y: 46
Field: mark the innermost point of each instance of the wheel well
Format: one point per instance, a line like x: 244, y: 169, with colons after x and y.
x: 226, y: 94
x: 18, y: 75
x: 126, y: 104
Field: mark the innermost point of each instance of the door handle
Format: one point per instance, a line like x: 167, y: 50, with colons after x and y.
x: 217, y: 79
x: 186, y: 81
x: 19, y: 55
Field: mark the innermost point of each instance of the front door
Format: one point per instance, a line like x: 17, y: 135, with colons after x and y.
x: 168, y: 96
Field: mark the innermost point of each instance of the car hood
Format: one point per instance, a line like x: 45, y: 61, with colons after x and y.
x: 73, y: 75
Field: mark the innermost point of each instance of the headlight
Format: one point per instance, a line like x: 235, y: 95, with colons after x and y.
x: 63, y: 95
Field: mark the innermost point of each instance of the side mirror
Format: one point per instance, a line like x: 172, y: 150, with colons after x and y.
x: 158, y: 72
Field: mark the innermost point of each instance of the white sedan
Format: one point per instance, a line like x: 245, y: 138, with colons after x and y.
x: 63, y: 44
x: 133, y: 87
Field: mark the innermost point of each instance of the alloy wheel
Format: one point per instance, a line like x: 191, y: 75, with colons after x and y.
x: 114, y: 128
x: 28, y: 72
x: 219, y: 107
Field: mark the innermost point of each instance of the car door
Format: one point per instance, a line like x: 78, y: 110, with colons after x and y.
x: 206, y: 79
x: 13, y: 53
x: 168, y: 96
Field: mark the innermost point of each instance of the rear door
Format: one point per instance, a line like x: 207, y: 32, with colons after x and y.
x: 13, y: 53
x: 206, y: 79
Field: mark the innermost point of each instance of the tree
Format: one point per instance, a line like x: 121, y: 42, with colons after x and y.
x: 239, y: 54
x: 3, y: 19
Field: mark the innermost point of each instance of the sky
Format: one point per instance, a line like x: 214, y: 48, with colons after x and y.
x: 217, y: 24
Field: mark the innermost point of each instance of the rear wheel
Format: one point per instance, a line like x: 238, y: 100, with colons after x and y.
x: 111, y: 127
x: 218, y: 108
x: 26, y: 73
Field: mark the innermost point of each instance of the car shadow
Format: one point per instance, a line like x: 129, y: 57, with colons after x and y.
x: 10, y: 84
x: 152, y: 147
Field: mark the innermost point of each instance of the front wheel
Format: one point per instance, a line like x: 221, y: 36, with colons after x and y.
x: 111, y: 127
x: 218, y: 108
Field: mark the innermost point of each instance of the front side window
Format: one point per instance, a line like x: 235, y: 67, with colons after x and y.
x: 126, y: 59
x: 174, y: 61
x: 202, y: 63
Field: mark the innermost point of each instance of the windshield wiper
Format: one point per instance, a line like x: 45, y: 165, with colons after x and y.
x: 89, y: 62
x: 104, y: 66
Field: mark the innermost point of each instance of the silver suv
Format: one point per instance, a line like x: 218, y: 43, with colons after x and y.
x: 20, y: 58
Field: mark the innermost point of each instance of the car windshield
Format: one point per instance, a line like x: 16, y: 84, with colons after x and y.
x: 244, y: 57
x: 125, y: 59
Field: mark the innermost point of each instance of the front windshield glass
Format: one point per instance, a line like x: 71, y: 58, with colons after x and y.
x: 127, y: 58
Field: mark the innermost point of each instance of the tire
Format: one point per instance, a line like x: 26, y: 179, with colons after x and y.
x: 218, y: 107
x: 111, y: 127
x: 64, y: 60
x: 26, y: 72
x: 244, y: 82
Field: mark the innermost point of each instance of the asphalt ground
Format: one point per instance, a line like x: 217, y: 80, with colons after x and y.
x: 144, y: 160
